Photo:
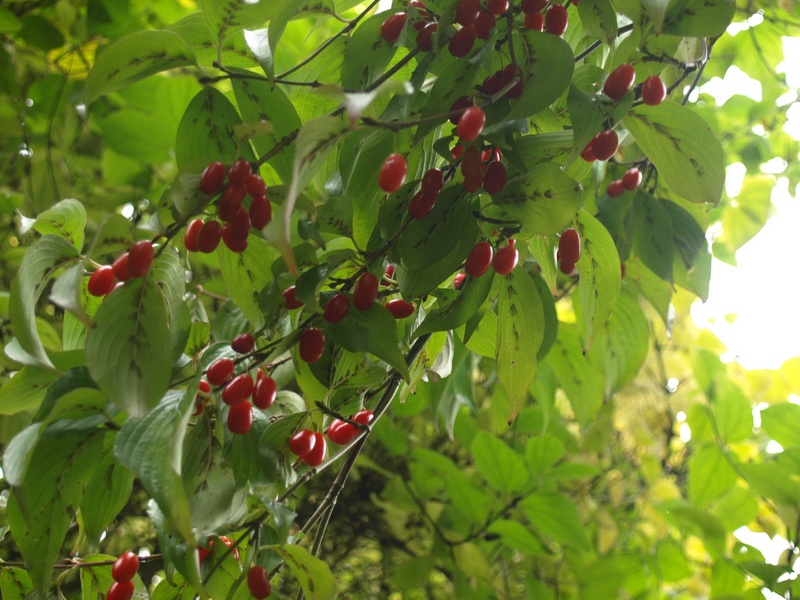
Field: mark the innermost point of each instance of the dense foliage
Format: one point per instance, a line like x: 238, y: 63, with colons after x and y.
x: 446, y: 352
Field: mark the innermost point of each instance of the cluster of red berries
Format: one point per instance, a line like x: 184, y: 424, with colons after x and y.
x: 123, y: 571
x: 136, y: 262
x: 205, y: 236
x: 555, y: 21
x: 502, y: 78
x: 482, y: 256
x: 481, y: 169
x: 569, y: 251
x: 424, y: 200
x: 310, y: 446
x: 204, y: 553
x: 631, y: 180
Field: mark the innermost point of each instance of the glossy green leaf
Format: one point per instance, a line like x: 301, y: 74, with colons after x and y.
x: 460, y: 309
x: 367, y: 54
x: 226, y: 19
x: 696, y: 18
x: 246, y: 274
x: 67, y: 292
x: 106, y: 494
x: 289, y: 11
x: 15, y: 583
x: 543, y: 250
x: 129, y: 351
x: 135, y: 57
x: 313, y: 574
x: 66, y: 219
x: 599, y: 19
x: 653, y: 235
x: 453, y: 82
x: 683, y: 148
x: 25, y: 390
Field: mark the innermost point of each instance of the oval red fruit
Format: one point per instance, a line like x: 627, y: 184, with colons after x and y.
x: 209, y: 236
x: 653, y: 91
x: 534, y: 21
x: 341, y: 432
x: 556, y: 20
x: 494, y: 180
x: 569, y: 246
x: 302, y: 442
x: 363, y: 416
x: 532, y: 6
x: 393, y: 26
x: 140, y: 258
x: 587, y: 153
x: 425, y: 37
x: 238, y: 390
x: 366, y: 291
x: 421, y: 204
x: 433, y: 181
x: 317, y: 455
x: 336, y: 308
x: 120, y: 268
x: 240, y: 418
x: 505, y: 260
x: 231, y: 202
x: 479, y: 259
x: 239, y: 172
x: 605, y: 144
x: 400, y: 309
x: 291, y: 301
x: 471, y: 123
x: 619, y: 82
x: 566, y: 268
x: 458, y: 280
x: 258, y: 582
x: 190, y: 237
x: 212, y: 178
x: 393, y: 173
x: 632, y: 179
x: 255, y: 185
x: 467, y: 11
x: 120, y: 590
x: 615, y: 188
x: 260, y: 212
x: 312, y: 345
x: 484, y: 24
x: 243, y: 343
x: 265, y: 392
x: 457, y: 109
x: 125, y: 567
x: 471, y: 162
x: 509, y: 73
x: 220, y: 371
x: 233, y: 244
x: 101, y: 282
x: 498, y: 7
x: 462, y: 41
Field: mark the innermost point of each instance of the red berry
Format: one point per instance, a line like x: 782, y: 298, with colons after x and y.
x: 238, y: 390
x: 471, y: 123
x: 302, y: 442
x: 140, y: 258
x: 433, y: 181
x: 457, y: 109
x: 291, y: 301
x: 120, y: 590
x: 425, y: 35
x: 653, y: 91
x: 556, y: 19
x: 391, y: 28
x: 366, y: 291
x: 473, y: 183
x: 220, y: 371
x: 312, y: 345
x: 508, y: 74
x: 421, y: 204
x: 569, y: 246
x: 615, y: 188
x: 619, y: 82
x: 471, y: 162
x: 505, y: 260
x: 400, y: 309
x: 239, y: 172
x: 265, y: 392
x: 534, y: 21
x: 209, y: 236
x: 243, y: 343
x: 494, y: 180
x: 458, y: 280
x: 605, y: 144
x: 498, y: 7
x: 340, y: 432
x: 233, y: 244
x: 317, y: 455
x: 390, y: 270
x: 467, y: 12
x: 240, y: 225
x: 587, y: 153
x: 479, y: 259
x: 622, y: 270
x: 492, y: 84
x: 363, y: 416
x: 240, y: 418
x: 198, y: 409
x: 203, y: 387
x: 566, y: 268
x: 258, y: 582
x: 336, y: 308
x: 255, y: 186
x: 190, y: 237
x: 484, y: 24
x: 212, y: 178
x: 125, y: 567
x: 260, y: 212
x: 101, y: 281
x: 231, y: 202
x: 532, y: 6
x: 228, y: 542
x: 462, y: 41
x: 120, y: 268
x: 632, y: 179
x: 393, y: 173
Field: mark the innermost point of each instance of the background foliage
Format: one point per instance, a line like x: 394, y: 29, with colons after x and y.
x: 111, y: 109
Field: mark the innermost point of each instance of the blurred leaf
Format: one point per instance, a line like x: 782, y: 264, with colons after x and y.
x: 502, y: 468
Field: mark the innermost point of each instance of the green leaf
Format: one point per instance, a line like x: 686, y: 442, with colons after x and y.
x: 313, y: 574
x: 732, y: 411
x: 461, y: 309
x: 106, y: 494
x: 246, y: 274
x: 206, y: 132
x: 66, y: 292
x: 372, y: 331
x: 453, y: 81
x: 502, y: 468
x: 66, y: 219
x: 697, y: 18
x: 520, y: 331
x: 547, y: 62
x: 600, y: 276
x: 683, y: 148
x: 543, y: 200
x: 367, y: 55
x: 542, y: 453
x: 543, y: 250
x: 653, y: 235
x: 235, y: 15
x: 135, y: 57
x: 779, y: 422
x: 745, y: 217
x: 515, y: 535
x: 168, y: 272
x: 710, y: 475
x: 690, y: 236
x: 129, y: 351
x: 290, y: 11
x: 15, y: 583
x: 40, y: 263
x: 152, y: 447
x: 599, y: 19
x: 25, y: 390
x: 470, y: 500
x: 556, y: 516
